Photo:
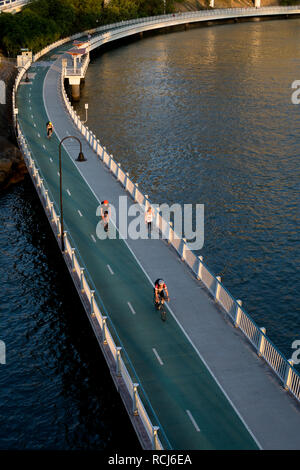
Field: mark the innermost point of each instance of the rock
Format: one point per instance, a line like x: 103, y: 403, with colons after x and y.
x: 12, y: 165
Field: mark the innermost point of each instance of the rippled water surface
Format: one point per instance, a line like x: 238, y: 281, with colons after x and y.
x: 202, y: 116
x: 205, y: 116
x: 55, y: 389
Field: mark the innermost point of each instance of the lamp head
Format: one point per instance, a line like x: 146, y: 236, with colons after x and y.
x: 81, y: 157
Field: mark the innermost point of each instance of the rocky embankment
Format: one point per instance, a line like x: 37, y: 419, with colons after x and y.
x: 12, y: 166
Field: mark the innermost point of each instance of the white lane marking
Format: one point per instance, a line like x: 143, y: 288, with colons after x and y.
x: 34, y: 125
x: 193, y: 420
x: 58, y: 173
x: 44, y: 146
x: 157, y: 357
x: 68, y: 192
x: 131, y: 308
x: 93, y: 238
x: 51, y: 160
x: 151, y: 282
x: 39, y: 135
x: 79, y: 213
x: 31, y: 116
x: 110, y: 270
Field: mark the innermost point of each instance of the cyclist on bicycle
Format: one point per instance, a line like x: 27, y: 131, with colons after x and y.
x: 161, y: 293
x: 49, y: 129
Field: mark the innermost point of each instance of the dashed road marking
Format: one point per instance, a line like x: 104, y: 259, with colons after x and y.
x: 93, y: 238
x: 131, y: 308
x: 68, y: 192
x: 157, y: 357
x: 193, y: 420
x: 110, y: 270
x: 79, y: 213
x: 44, y: 146
x: 39, y: 135
x: 51, y: 160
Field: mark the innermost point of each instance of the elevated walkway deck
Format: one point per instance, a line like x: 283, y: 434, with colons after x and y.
x: 205, y: 382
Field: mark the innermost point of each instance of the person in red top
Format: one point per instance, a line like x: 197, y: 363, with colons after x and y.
x: 161, y: 293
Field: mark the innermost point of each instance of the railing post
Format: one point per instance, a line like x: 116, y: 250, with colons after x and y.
x: 51, y: 211
x: 46, y: 198
x: 261, y: 344
x: 170, y: 234
x: 218, y: 288
x: 238, y: 314
x: 127, y: 180
x: 81, y: 280
x: 134, y: 400
x: 154, y: 437
x: 58, y: 226
x: 288, y: 373
x: 92, y: 303
x: 110, y: 162
x: 135, y: 191
x: 65, y: 244
x: 73, y: 259
x: 199, y: 270
x: 118, y: 171
x: 104, y: 330
x: 183, y: 249
x: 118, y: 367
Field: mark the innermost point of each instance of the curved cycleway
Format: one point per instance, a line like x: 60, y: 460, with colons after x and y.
x: 192, y: 409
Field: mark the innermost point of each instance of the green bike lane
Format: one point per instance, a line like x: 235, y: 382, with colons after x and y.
x: 190, y: 407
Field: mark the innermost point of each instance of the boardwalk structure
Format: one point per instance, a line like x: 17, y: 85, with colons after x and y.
x: 200, y: 381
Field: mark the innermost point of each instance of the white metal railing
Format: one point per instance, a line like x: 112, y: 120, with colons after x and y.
x: 233, y: 307
x: 9, y: 5
x: 79, y: 274
x: 129, y: 27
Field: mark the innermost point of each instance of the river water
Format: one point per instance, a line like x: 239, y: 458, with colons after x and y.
x: 202, y: 116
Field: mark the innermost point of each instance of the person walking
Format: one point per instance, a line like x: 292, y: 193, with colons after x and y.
x: 105, y: 220
x: 148, y: 220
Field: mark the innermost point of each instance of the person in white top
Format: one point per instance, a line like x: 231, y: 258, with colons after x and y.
x: 148, y: 219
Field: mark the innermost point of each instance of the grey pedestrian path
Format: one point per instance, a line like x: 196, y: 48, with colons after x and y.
x: 269, y: 413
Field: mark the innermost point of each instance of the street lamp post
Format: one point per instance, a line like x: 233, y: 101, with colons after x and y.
x: 80, y: 158
x: 16, y: 111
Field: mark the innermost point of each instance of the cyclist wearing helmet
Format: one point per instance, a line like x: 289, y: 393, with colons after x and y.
x: 49, y: 129
x: 160, y: 292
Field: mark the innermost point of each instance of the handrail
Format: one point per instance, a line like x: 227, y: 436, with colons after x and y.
x: 265, y: 348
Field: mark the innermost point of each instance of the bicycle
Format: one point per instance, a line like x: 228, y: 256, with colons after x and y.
x: 161, y: 308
